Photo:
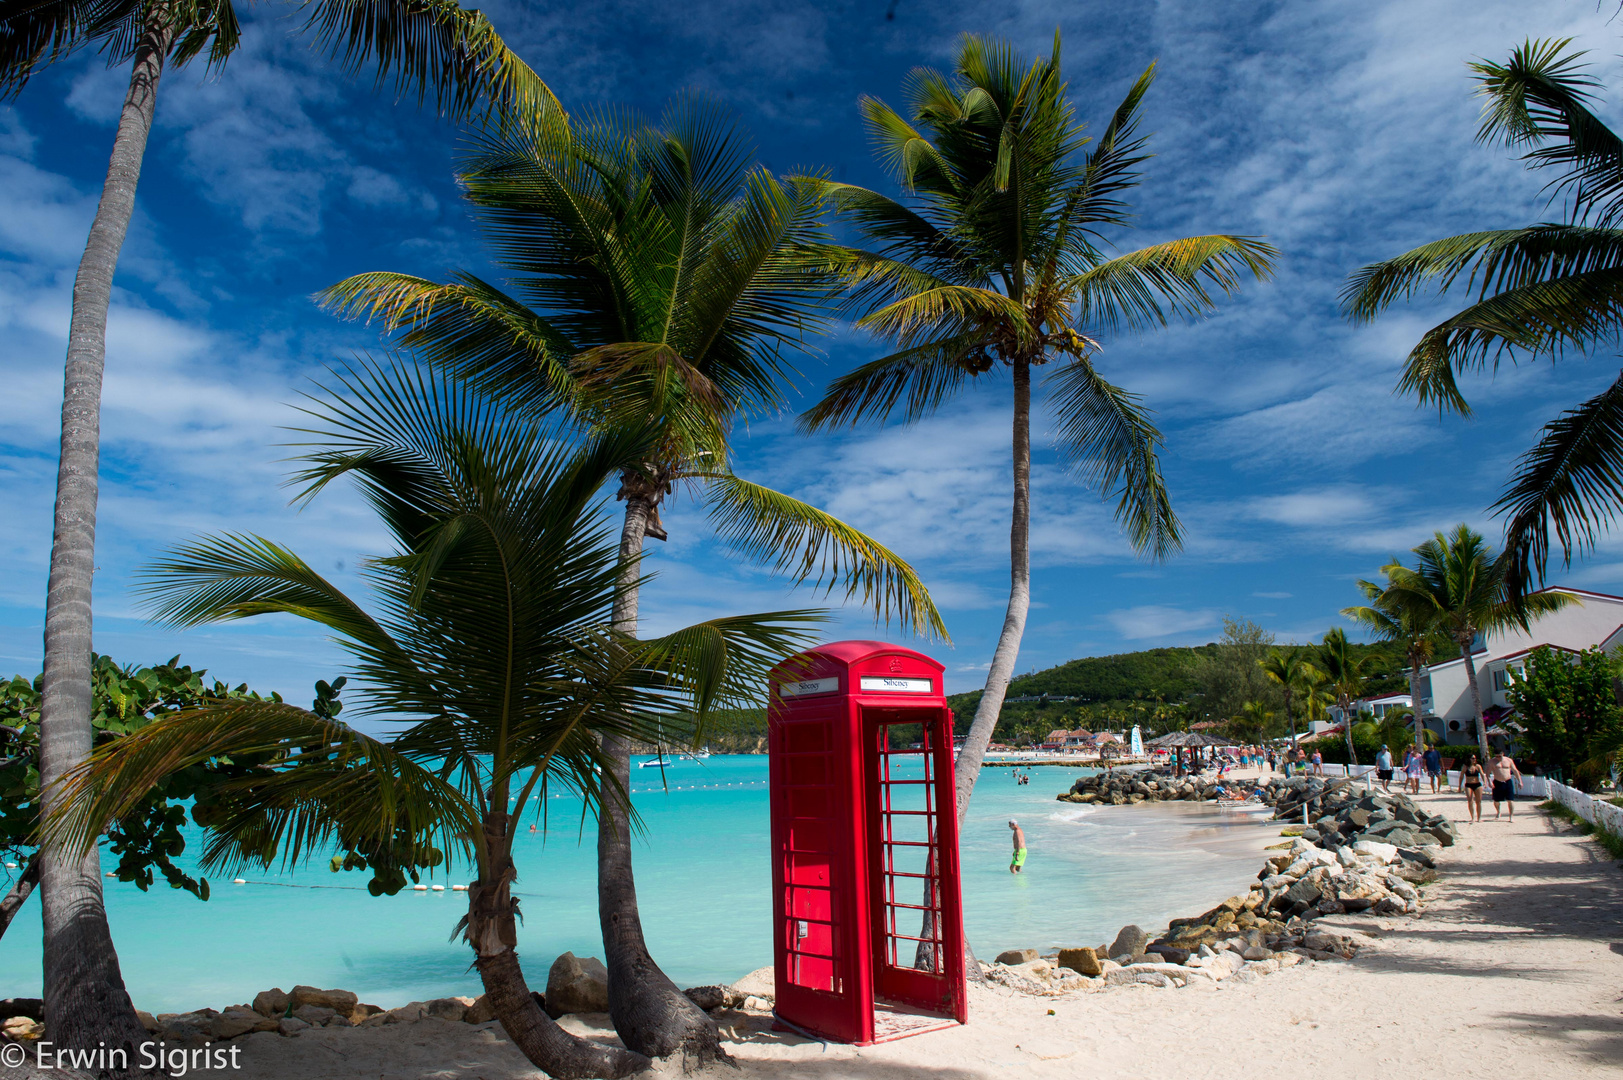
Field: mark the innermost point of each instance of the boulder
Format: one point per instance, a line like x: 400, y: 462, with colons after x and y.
x: 405, y: 1014
x: 314, y: 1015
x: 1083, y: 961
x: 1385, y: 852
x: 453, y: 1009
x: 479, y: 1012
x: 240, y: 1020
x: 1130, y: 942
x: 339, y: 1001
x: 271, y: 1002
x: 1257, y: 952
x: 1016, y: 956
x: 1404, y: 837
x: 33, y: 1008
x: 577, y: 985
x: 148, y: 1021
x: 1170, y: 953
x: 291, y: 1025
x: 22, y: 1029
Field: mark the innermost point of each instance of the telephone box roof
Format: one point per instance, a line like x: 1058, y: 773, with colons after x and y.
x: 854, y: 652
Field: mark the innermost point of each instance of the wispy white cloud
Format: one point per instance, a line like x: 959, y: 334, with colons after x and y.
x: 1160, y: 620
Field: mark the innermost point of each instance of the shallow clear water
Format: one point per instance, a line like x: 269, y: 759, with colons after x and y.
x: 703, y: 876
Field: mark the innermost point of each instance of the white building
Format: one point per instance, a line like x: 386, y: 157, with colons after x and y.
x: 1446, y: 693
x: 1377, y: 707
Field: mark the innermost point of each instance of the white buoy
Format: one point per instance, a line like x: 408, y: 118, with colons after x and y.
x: 111, y: 873
x: 11, y: 866
x: 239, y: 881
x: 419, y: 887
x: 437, y: 888
x: 459, y: 888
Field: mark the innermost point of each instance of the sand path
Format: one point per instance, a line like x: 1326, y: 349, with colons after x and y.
x: 1516, y: 966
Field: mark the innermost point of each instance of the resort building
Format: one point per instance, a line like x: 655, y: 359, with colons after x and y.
x: 1597, y: 620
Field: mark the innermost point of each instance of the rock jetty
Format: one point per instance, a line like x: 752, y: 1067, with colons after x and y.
x: 1361, y: 853
x: 574, y: 985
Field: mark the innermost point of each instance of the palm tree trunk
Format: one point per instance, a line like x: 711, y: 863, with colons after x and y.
x: 1414, y: 698
x: 1476, y: 699
x: 1347, y: 726
x: 493, y: 935
x: 85, y: 1000
x: 649, y: 1011
x: 19, y: 894
x: 1014, y: 620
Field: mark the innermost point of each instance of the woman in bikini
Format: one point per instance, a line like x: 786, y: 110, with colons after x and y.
x: 1471, y: 781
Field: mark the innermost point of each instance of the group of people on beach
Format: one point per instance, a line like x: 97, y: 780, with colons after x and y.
x: 1501, y: 770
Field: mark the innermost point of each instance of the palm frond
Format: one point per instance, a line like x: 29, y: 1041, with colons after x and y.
x: 1577, y: 311
x: 1571, y: 482
x: 913, y: 319
x: 470, y: 328
x: 436, y: 47
x: 1539, y: 100
x: 808, y: 544
x: 1174, y: 279
x: 1110, y: 440
x: 326, y: 785
x: 927, y: 375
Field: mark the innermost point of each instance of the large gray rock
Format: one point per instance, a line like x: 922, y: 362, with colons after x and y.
x: 1130, y: 942
x: 450, y: 1008
x: 314, y: 1015
x: 577, y: 985
x: 1016, y: 956
x: 239, y: 1021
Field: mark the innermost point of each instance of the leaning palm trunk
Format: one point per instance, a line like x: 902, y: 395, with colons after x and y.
x: 19, y: 894
x: 85, y: 1000
x: 968, y: 764
x: 1014, y: 620
x: 649, y: 1011
x: 1476, y: 696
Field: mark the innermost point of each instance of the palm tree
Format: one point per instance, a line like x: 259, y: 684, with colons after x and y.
x: 1290, y: 670
x: 1254, y: 724
x: 662, y: 276
x: 493, y: 636
x: 1465, y: 590
x: 1539, y: 290
x: 1396, y: 618
x: 1343, y: 672
x: 427, y: 45
x: 994, y: 259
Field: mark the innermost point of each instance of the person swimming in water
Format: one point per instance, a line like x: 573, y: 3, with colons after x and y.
x: 1018, y: 863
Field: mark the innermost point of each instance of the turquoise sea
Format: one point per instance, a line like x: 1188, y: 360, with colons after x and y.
x: 703, y: 881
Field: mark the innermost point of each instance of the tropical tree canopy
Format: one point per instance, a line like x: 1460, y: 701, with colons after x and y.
x: 997, y: 257
x: 422, y: 47
x: 656, y: 274
x: 1541, y: 290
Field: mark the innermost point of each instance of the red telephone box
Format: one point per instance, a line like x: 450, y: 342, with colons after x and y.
x: 868, y: 937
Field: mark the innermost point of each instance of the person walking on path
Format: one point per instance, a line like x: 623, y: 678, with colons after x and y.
x: 1411, y: 771
x: 1018, y: 863
x: 1471, y: 784
x: 1434, y: 766
x: 1318, y: 763
x: 1504, y: 787
x: 1383, y: 769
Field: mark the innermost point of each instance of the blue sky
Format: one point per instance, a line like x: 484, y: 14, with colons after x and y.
x: 1342, y: 132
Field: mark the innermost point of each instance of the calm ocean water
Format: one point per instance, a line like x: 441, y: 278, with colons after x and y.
x: 703, y: 878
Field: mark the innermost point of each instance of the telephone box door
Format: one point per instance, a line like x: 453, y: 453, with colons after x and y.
x: 912, y: 858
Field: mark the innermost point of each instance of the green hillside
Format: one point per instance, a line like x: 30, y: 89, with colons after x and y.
x: 1156, y: 688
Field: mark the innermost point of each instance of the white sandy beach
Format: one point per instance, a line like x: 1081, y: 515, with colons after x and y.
x: 1516, y: 966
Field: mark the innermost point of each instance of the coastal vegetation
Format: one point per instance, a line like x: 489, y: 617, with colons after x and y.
x: 426, y: 46
x: 658, y: 273
x: 1568, y: 707
x: 994, y: 259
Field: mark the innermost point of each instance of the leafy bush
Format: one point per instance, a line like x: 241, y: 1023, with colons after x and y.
x: 1568, y: 704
